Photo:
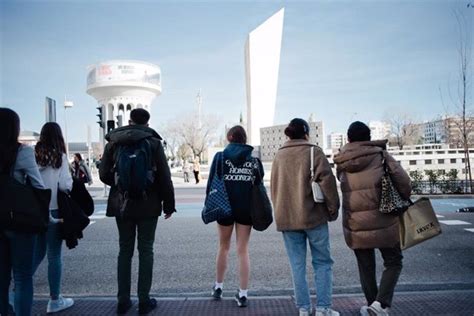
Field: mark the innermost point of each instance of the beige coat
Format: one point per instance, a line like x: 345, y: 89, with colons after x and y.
x: 291, y: 191
x: 360, y: 170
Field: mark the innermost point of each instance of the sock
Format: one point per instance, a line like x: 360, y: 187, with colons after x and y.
x: 243, y: 293
x: 219, y: 285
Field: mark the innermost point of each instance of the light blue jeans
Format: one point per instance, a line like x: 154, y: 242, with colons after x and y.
x: 51, y: 243
x: 296, y: 248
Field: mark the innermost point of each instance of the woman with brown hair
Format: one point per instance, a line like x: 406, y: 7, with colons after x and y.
x: 237, y: 167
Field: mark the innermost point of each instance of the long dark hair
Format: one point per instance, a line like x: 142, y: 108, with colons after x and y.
x: 9, y: 133
x: 50, y: 148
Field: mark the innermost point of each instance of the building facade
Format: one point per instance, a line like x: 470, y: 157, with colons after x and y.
x: 262, y: 62
x: 273, y: 137
x: 446, y: 130
x: 379, y: 130
x: 336, y: 140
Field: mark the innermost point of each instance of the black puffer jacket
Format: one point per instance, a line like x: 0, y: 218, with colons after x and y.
x: 160, y: 197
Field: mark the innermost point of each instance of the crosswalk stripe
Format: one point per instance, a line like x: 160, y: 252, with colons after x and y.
x: 439, y: 216
x: 91, y: 222
x: 97, y: 217
x: 454, y: 222
x: 469, y: 229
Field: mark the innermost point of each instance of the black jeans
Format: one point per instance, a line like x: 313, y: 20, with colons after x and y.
x: 392, y: 260
x: 128, y: 229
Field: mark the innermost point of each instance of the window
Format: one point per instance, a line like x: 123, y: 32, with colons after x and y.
x: 440, y: 152
x: 412, y: 162
x: 416, y: 153
x: 429, y: 153
x: 451, y: 151
x: 453, y: 160
x: 441, y: 161
x: 463, y: 160
x: 428, y: 162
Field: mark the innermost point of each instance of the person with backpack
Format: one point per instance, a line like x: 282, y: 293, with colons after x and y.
x: 238, y: 169
x: 134, y: 165
x: 360, y: 168
x: 16, y: 248
x: 51, y: 158
x: 297, y: 165
x: 81, y: 170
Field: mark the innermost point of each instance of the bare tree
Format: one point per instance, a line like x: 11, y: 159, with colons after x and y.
x: 186, y: 132
x: 462, y: 98
x: 404, y: 130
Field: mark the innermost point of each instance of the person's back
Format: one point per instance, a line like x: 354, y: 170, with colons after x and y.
x: 136, y: 212
x: 360, y: 170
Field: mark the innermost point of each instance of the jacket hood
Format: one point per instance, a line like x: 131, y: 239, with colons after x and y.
x: 238, y: 153
x: 130, y: 134
x: 356, y: 156
x: 296, y: 142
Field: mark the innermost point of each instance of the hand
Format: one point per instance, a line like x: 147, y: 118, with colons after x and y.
x: 168, y: 215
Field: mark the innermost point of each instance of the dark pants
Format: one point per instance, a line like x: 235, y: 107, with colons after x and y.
x: 392, y: 260
x: 128, y: 229
x: 16, y: 254
x: 196, y: 176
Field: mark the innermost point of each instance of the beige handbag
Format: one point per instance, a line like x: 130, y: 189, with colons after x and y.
x: 418, y: 223
x: 317, y: 192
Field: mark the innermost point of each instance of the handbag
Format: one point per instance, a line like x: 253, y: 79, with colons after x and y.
x: 217, y: 205
x: 23, y: 208
x: 261, y: 211
x: 418, y: 223
x: 74, y: 219
x: 390, y: 201
x: 318, y: 195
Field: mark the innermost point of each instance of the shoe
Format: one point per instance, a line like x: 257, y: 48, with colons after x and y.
x: 58, y: 305
x: 122, y: 308
x: 375, y: 309
x: 145, y: 308
x: 216, y: 293
x: 241, y: 301
x: 364, y: 311
x: 326, y: 312
x: 305, y: 312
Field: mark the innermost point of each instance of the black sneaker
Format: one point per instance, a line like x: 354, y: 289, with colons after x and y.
x: 145, y: 308
x: 122, y: 308
x: 216, y: 293
x: 241, y: 301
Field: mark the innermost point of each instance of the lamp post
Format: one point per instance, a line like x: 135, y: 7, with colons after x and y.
x: 67, y: 104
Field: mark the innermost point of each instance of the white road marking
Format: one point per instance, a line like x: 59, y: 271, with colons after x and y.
x: 97, y: 217
x: 439, y: 216
x: 469, y: 229
x: 91, y: 222
x: 454, y: 222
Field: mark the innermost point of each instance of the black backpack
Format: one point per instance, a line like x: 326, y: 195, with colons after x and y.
x: 134, y: 170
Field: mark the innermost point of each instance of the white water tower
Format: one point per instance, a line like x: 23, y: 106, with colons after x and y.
x: 119, y: 86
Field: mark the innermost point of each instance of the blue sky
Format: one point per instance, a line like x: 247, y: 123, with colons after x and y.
x: 341, y: 60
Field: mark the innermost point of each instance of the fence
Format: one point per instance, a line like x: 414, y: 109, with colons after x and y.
x: 442, y: 187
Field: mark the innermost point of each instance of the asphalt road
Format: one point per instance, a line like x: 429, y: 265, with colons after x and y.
x: 185, y: 252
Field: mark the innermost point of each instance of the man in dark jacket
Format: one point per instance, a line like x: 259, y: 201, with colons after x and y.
x: 140, y: 214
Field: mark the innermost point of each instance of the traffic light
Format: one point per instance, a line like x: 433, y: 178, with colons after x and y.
x: 110, y: 125
x: 101, y: 120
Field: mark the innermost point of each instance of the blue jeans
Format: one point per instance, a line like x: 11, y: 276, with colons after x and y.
x: 16, y: 253
x: 295, y: 244
x: 51, y: 243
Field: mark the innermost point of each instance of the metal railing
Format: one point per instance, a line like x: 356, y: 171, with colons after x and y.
x: 442, y: 187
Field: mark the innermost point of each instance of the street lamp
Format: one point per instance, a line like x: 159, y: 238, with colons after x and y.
x: 67, y: 104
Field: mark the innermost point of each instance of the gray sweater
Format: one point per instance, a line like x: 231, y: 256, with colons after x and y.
x: 25, y: 166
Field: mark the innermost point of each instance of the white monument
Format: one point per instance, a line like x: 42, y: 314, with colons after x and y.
x: 262, y: 61
x: 119, y: 86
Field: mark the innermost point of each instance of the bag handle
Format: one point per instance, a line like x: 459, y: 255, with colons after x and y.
x: 311, y: 168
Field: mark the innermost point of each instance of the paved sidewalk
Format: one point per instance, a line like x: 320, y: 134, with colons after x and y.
x: 408, y: 303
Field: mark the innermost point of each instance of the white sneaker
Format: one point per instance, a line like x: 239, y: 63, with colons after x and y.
x: 305, y: 312
x: 58, y: 305
x: 364, y: 311
x: 376, y: 309
x: 326, y: 312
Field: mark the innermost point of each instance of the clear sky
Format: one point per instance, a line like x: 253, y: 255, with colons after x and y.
x: 341, y: 60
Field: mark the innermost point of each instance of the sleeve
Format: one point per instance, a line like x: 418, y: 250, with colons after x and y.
x: 88, y: 173
x: 325, y: 177
x: 106, y: 165
x: 30, y: 168
x: 164, y: 181
x: 212, y: 171
x: 399, y: 176
x: 65, y: 179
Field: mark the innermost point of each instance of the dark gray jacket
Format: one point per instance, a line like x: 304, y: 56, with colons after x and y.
x: 160, y: 197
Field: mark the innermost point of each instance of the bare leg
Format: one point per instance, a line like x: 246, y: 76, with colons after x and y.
x: 225, y: 232
x: 243, y: 236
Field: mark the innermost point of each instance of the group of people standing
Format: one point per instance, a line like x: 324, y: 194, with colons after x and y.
x: 194, y: 167
x: 138, y: 198
x: 44, y: 167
